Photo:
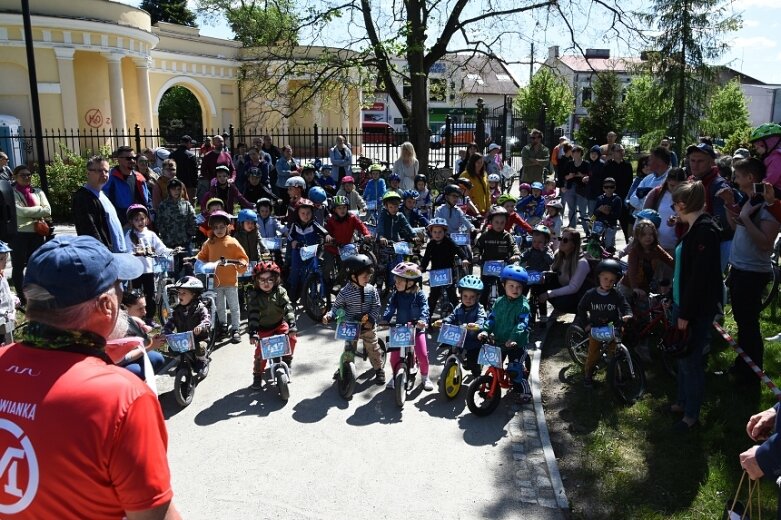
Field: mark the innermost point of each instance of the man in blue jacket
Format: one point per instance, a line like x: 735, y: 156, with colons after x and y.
x: 764, y: 460
x: 125, y: 186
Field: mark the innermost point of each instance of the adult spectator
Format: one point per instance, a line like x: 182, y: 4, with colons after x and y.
x: 660, y: 199
x: 665, y: 143
x: 752, y: 246
x: 493, y: 159
x: 535, y: 158
x: 125, y: 186
x: 476, y: 173
x: 160, y: 188
x: 341, y: 158
x: 569, y: 283
x: 186, y: 165
x: 206, y: 147
x: 150, y: 176
x: 93, y: 214
x: 155, y: 158
x: 406, y: 166
x: 557, y: 153
x: 286, y: 167
x: 574, y: 191
x: 659, y: 165
x: 31, y: 206
x: 275, y: 153
x: 470, y: 151
x: 256, y: 164
x: 702, y: 166
x: 110, y: 462
x: 697, y: 293
x: 6, y: 174
x: 134, y: 303
x: 621, y: 170
x: 604, y: 150
x: 216, y: 157
x: 764, y: 460
x: 594, y: 180
x: 239, y: 156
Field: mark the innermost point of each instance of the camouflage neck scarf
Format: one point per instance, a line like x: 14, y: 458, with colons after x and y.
x: 39, y: 335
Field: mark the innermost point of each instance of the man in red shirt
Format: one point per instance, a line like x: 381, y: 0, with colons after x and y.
x: 79, y: 437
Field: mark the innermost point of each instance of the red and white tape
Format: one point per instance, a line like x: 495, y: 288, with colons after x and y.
x: 750, y: 362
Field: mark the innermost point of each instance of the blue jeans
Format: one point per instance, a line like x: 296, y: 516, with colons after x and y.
x: 156, y: 358
x: 691, y: 368
x: 582, y: 204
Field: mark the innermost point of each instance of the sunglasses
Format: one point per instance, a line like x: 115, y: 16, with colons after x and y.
x: 128, y: 158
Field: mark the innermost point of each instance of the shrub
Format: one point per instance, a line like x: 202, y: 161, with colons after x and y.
x: 66, y: 173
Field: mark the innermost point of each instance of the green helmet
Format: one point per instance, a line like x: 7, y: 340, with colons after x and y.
x: 375, y: 167
x: 340, y: 200
x: 766, y: 130
x: 391, y: 195
x: 506, y: 197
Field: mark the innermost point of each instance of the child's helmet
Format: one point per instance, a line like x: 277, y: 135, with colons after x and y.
x: 174, y: 183
x: 408, y: 271
x: 295, y: 182
x: 471, y: 282
x: 348, y: 178
x: 766, y: 130
x: 191, y: 283
x: 220, y: 215
x: 391, y: 195
x: 494, y: 177
x: 451, y: 189
x: 539, y: 228
x: 308, y: 166
x: 317, y: 194
x: 409, y: 194
x: 506, y: 197
x: 214, y: 200
x: 649, y: 214
x: 375, y: 167
x: 136, y: 208
x: 394, y: 177
x: 555, y: 203
x: 265, y: 201
x: 516, y: 273
x: 4, y: 248
x: 357, y: 264
x: 420, y: 177
x: 466, y: 182
x: 437, y: 222
x: 610, y: 265
x: 525, y: 186
x: 247, y: 215
x: 537, y: 186
x: 496, y: 211
x: 266, y: 267
x: 340, y: 200
x: 304, y: 203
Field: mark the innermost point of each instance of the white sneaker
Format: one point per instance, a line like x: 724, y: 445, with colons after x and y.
x: 427, y: 384
x: 775, y: 338
x: 391, y: 384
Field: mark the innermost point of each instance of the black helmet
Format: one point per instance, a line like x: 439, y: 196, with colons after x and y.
x: 452, y: 188
x: 264, y: 202
x: 610, y: 265
x: 496, y: 211
x: 357, y: 264
x: 466, y: 182
x: 420, y: 177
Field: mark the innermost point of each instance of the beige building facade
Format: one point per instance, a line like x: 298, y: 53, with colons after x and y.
x: 102, y: 65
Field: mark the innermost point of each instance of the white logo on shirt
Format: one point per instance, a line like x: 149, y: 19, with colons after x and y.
x: 11, y: 461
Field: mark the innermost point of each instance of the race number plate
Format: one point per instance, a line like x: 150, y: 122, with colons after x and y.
x: 536, y: 278
x: 452, y: 335
x: 402, y: 248
x: 418, y: 230
x: 460, y: 239
x: 347, y: 251
x: 604, y: 333
x: 402, y: 336
x: 493, y: 268
x: 308, y: 252
x: 274, y: 346
x: 490, y: 355
x: 272, y: 244
x: 181, y: 342
x: 440, y: 277
x: 348, y: 330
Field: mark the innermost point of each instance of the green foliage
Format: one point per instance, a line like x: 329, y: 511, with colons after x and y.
x: 171, y: 11
x: 648, y: 111
x: 739, y: 139
x: 727, y: 112
x: 605, y: 110
x: 256, y: 22
x: 180, y: 113
x: 545, y: 87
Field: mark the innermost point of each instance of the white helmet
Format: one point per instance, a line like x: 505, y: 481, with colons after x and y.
x: 494, y: 177
x: 295, y: 181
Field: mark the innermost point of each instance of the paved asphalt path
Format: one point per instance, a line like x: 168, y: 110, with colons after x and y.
x: 237, y: 453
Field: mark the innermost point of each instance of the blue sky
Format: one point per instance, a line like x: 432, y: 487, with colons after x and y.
x: 755, y: 50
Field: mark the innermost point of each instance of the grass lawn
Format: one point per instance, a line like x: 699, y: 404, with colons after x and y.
x: 625, y: 462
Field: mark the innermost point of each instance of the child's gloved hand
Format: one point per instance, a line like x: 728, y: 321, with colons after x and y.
x: 197, y: 330
x: 420, y: 325
x: 325, y: 319
x: 510, y: 344
x: 437, y: 324
x: 482, y: 336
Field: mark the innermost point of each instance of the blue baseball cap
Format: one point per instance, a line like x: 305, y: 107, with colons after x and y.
x: 702, y: 148
x: 76, y: 269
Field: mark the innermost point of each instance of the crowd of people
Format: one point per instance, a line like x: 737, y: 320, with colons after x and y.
x: 683, y: 225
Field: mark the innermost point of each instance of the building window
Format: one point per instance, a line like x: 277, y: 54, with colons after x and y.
x: 437, y: 89
x: 586, y: 95
x: 407, y: 91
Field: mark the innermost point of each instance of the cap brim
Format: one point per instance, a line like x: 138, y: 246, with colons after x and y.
x: 129, y: 267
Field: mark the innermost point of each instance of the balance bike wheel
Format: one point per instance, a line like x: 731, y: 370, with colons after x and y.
x: 577, y: 344
x: 400, y: 382
x: 478, y: 399
x: 184, y: 385
x: 345, y: 381
x: 282, y: 385
x: 451, y: 379
x: 627, y: 386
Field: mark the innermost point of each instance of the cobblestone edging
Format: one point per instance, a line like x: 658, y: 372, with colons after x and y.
x: 535, y: 470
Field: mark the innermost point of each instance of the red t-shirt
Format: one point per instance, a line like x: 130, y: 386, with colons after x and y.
x: 78, y: 438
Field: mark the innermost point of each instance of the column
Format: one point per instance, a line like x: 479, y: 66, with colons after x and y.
x: 70, y: 115
x: 116, y: 91
x: 144, y: 96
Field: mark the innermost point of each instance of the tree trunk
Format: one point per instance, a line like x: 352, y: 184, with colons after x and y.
x: 418, y: 120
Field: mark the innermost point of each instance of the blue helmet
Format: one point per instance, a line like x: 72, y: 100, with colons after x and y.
x: 4, y: 248
x: 649, y: 214
x: 471, y: 282
x: 409, y: 194
x: 317, y: 195
x: 247, y: 215
x: 394, y: 177
x: 537, y: 185
x: 516, y: 273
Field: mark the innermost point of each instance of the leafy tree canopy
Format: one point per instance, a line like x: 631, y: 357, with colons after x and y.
x: 605, y: 110
x: 727, y: 112
x: 170, y: 11
x: 545, y: 87
x: 255, y: 22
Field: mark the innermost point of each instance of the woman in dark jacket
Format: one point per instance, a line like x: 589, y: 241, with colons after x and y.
x: 697, y: 293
